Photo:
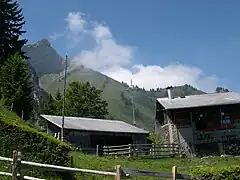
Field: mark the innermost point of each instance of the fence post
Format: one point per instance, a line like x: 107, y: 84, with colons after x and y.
x: 118, y: 173
x: 12, y: 107
x: 104, y: 150
x: 130, y: 150
x: 97, y: 150
x: 174, y: 173
x: 14, y: 166
x: 19, y: 156
x: 153, y: 150
x: 22, y: 115
x: 72, y: 165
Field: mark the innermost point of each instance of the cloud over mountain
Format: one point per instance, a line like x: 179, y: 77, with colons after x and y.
x: 116, y: 60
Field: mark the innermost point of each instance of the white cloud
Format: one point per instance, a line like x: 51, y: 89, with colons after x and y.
x: 101, y: 32
x: 106, y: 54
x: 54, y: 36
x: 116, y: 60
x: 75, y: 23
x: 154, y: 76
x: 76, y: 28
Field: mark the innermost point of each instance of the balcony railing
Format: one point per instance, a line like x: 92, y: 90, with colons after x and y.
x: 216, y: 135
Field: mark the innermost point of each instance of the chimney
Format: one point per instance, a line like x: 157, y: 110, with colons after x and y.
x: 169, y: 90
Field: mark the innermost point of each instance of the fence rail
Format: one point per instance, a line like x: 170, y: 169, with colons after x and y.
x: 174, y: 175
x: 18, y: 165
x: 143, y: 150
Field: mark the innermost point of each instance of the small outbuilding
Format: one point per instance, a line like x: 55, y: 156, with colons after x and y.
x: 88, y: 132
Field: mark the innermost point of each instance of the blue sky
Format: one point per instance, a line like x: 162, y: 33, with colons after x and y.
x: 156, y: 43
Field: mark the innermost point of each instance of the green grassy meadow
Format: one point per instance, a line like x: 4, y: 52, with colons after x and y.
x: 185, y: 165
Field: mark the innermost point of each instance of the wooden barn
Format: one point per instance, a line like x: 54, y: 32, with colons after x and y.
x: 201, y: 124
x: 88, y: 133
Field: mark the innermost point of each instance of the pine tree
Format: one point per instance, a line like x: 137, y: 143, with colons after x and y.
x: 11, y: 23
x: 15, y: 85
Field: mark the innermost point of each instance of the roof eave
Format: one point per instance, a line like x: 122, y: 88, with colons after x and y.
x: 51, y: 122
x: 107, y: 131
x: 58, y: 125
x: 201, y: 106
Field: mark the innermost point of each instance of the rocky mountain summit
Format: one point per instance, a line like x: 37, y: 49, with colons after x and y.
x: 44, y: 58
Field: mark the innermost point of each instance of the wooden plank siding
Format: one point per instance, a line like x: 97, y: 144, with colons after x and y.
x: 90, y: 139
x: 204, y: 125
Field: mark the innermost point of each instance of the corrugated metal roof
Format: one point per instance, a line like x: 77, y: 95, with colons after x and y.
x: 201, y: 100
x: 89, y: 124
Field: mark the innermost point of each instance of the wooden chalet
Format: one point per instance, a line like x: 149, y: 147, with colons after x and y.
x: 201, y: 124
x: 87, y: 133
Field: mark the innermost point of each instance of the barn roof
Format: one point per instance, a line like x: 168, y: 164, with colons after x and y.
x: 211, y: 99
x: 89, y: 124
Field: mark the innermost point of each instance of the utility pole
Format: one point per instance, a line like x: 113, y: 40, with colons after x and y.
x: 133, y: 109
x: 155, y: 121
x: 63, y: 104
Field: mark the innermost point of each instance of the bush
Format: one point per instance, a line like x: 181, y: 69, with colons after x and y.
x: 35, y: 146
x: 217, y: 173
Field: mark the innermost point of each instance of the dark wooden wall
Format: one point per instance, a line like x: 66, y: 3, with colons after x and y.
x: 89, y: 139
x: 212, y: 115
x: 52, y: 128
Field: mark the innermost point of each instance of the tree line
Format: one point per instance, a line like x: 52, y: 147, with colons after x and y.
x: 81, y: 100
x: 15, y: 84
x: 16, y: 87
x: 128, y: 103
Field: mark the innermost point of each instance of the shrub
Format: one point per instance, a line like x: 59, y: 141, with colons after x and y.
x: 36, y: 146
x: 217, y: 173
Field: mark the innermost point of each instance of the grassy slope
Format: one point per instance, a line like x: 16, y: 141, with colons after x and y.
x: 111, y: 93
x: 160, y: 165
x: 144, y: 101
x: 13, y: 119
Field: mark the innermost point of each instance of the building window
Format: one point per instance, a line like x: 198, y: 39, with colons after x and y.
x: 201, y: 120
x: 213, y: 118
x: 182, y: 118
x: 160, y: 117
x: 227, y: 116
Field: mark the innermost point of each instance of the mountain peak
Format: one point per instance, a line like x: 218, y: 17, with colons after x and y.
x: 43, y: 57
x: 43, y: 42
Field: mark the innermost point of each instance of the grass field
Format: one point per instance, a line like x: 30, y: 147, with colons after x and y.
x: 4, y: 168
x: 185, y: 165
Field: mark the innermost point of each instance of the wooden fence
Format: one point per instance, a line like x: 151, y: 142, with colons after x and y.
x: 91, y: 151
x: 142, y: 150
x: 18, y: 165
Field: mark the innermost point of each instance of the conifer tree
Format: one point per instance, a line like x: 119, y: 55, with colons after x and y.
x: 11, y: 23
x: 15, y: 85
